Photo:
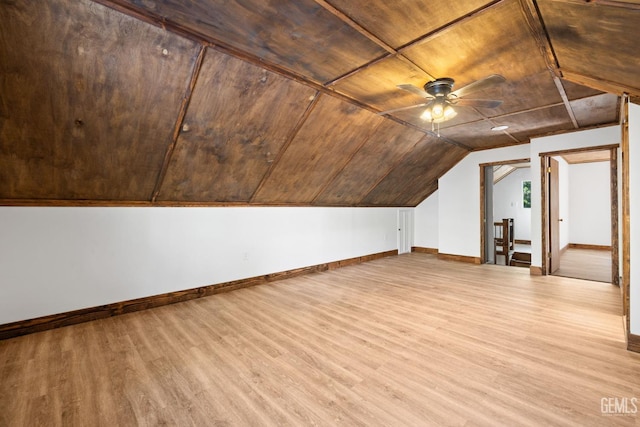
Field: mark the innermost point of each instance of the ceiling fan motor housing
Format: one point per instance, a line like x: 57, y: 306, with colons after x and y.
x: 439, y: 87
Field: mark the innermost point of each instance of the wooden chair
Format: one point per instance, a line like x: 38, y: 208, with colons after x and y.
x: 503, y: 240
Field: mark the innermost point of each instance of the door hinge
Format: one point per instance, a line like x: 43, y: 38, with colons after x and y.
x: 549, y: 169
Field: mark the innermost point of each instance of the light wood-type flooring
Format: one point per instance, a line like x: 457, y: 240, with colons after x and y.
x: 588, y: 264
x: 401, y: 341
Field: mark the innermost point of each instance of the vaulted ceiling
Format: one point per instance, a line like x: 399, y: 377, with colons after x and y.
x: 169, y: 102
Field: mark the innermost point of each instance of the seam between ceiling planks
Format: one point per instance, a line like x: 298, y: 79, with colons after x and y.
x: 294, y: 132
x: 398, y: 53
x: 515, y: 113
x: 534, y: 21
x: 565, y: 101
x: 599, y: 84
x: 186, y: 100
x: 493, y: 121
x: 353, y: 24
x: 340, y: 170
x: 400, y: 161
x: 539, y: 30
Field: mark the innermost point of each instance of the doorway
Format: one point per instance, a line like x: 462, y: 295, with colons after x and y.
x: 504, y: 225
x: 405, y: 230
x: 580, y: 213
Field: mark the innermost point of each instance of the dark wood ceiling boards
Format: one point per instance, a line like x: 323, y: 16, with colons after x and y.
x: 478, y: 135
x: 539, y: 122
x: 376, y: 85
x: 497, y: 39
x: 380, y: 154
x: 402, y: 21
x: 76, y: 121
x: 299, y: 35
x: 417, y: 173
x: 603, y: 105
x: 331, y: 135
x: 610, y: 29
x: 212, y: 102
x: 576, y: 91
x: 239, y: 118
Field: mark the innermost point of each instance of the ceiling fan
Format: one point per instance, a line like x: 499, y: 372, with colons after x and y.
x: 442, y: 98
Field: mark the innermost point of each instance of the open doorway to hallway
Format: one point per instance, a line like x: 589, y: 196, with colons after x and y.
x: 506, y: 213
x: 580, y: 214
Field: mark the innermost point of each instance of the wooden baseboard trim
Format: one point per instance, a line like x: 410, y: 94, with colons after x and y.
x: 522, y: 242
x: 593, y: 247
x: 24, y: 327
x: 535, y: 271
x: 633, y: 343
x: 419, y: 249
x: 351, y: 261
x: 564, y: 249
x: 459, y: 258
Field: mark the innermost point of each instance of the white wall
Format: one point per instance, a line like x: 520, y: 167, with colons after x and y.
x: 459, y: 200
x: 54, y: 260
x: 634, y: 212
x: 590, y: 203
x: 426, y: 223
x: 566, y: 141
x: 507, y: 202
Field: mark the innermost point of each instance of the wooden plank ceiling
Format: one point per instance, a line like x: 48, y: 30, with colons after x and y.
x: 168, y: 102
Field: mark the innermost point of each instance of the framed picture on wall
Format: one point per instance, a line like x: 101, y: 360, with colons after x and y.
x: 526, y: 194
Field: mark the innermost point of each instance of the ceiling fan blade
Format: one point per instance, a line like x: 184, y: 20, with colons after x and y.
x: 482, y: 103
x: 415, y: 90
x: 382, y: 113
x: 488, y: 81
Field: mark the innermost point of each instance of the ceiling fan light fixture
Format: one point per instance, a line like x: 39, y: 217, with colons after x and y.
x: 426, y: 115
x: 449, y: 112
x: 441, y: 97
x: 439, y: 111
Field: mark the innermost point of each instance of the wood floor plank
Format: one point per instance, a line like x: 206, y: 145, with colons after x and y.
x: 406, y: 340
x: 587, y: 264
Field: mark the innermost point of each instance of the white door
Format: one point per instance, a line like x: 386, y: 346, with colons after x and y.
x: 405, y: 230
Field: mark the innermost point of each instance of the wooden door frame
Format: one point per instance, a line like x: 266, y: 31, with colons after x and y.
x: 553, y: 210
x: 613, y: 180
x: 626, y: 219
x: 483, y: 237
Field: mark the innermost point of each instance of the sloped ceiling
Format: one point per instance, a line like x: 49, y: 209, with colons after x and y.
x: 168, y: 102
